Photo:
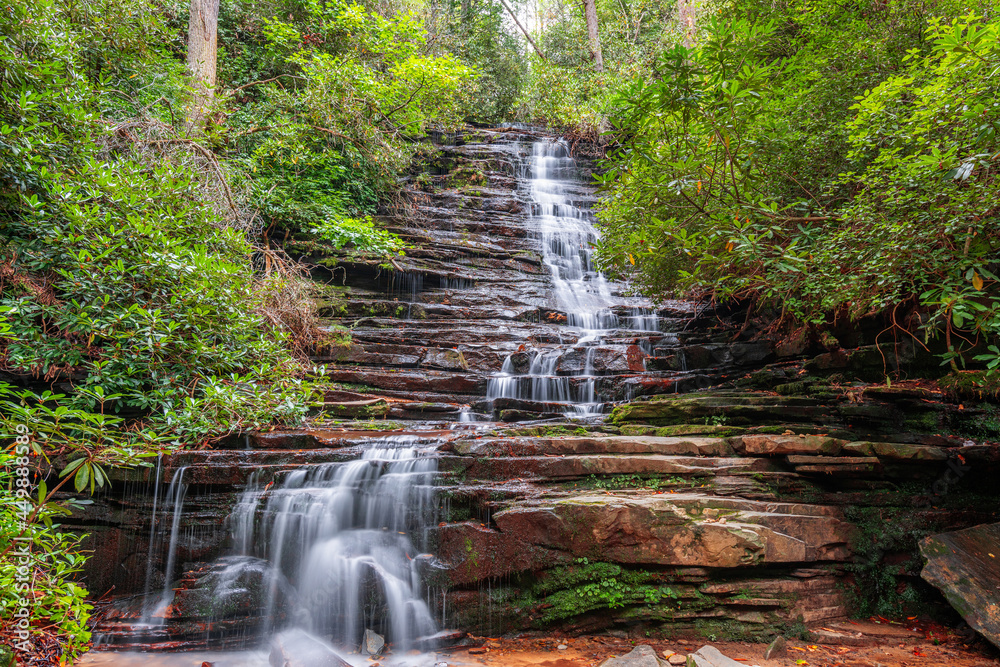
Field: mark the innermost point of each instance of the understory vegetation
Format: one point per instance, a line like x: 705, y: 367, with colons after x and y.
x: 828, y: 162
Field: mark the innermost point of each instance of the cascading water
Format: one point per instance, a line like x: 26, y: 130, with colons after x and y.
x: 153, y: 614
x: 580, y: 291
x: 343, y: 546
x: 327, y: 552
x: 339, y: 548
x: 567, y: 235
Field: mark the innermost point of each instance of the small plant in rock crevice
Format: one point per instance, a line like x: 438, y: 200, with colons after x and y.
x: 636, y: 481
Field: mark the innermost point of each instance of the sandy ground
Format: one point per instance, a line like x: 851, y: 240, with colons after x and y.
x: 873, y: 643
x: 893, y: 646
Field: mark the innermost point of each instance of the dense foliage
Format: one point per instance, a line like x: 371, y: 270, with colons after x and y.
x: 144, y: 304
x: 563, y: 90
x: 832, y: 161
x: 323, y: 101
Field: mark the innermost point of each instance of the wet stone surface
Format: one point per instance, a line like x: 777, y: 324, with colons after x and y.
x: 594, y: 463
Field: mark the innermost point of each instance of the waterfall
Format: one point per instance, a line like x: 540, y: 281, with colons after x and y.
x: 153, y: 615
x: 339, y: 548
x: 582, y: 293
x: 567, y: 235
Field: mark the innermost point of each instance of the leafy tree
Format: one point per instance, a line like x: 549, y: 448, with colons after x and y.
x: 829, y: 161
x: 565, y: 89
x: 478, y: 33
x: 320, y: 110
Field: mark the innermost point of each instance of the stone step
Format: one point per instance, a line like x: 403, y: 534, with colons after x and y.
x: 564, y: 467
x: 442, y: 382
x: 460, y: 358
x: 592, y: 444
x: 467, y: 332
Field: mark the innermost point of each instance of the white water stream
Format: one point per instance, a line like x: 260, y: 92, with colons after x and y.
x: 579, y: 290
x: 342, y: 546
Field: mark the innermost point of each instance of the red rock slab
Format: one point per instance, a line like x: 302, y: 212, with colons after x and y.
x: 761, y: 445
x: 680, y: 529
x: 570, y: 467
x: 612, y: 444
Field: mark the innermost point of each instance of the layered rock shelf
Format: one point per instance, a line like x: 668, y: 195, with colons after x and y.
x: 783, y: 520
x: 728, y: 484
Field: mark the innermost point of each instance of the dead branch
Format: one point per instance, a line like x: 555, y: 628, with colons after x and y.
x: 211, y: 159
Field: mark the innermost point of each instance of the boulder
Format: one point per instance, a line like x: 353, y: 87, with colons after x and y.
x: 965, y: 566
x: 709, y: 656
x: 776, y: 649
x: 641, y: 656
x: 372, y: 643
x: 298, y: 648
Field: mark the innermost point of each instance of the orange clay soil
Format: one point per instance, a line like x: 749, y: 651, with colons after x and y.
x: 871, y: 644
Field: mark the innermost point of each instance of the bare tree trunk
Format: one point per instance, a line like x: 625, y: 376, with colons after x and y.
x: 687, y: 14
x: 203, y: 50
x: 593, y: 36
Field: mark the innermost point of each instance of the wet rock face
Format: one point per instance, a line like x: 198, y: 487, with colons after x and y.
x: 726, y: 510
x: 677, y: 518
x: 677, y: 530
x: 477, y: 288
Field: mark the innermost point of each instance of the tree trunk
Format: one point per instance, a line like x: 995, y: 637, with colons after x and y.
x: 688, y: 17
x: 593, y: 36
x: 203, y: 49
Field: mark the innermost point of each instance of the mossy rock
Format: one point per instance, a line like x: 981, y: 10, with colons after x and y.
x: 681, y: 429
x: 734, y: 408
x: 972, y: 385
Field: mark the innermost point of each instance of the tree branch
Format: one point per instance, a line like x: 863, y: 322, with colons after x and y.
x: 416, y: 90
x: 257, y: 83
x: 211, y: 158
x: 523, y: 30
x: 809, y: 218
